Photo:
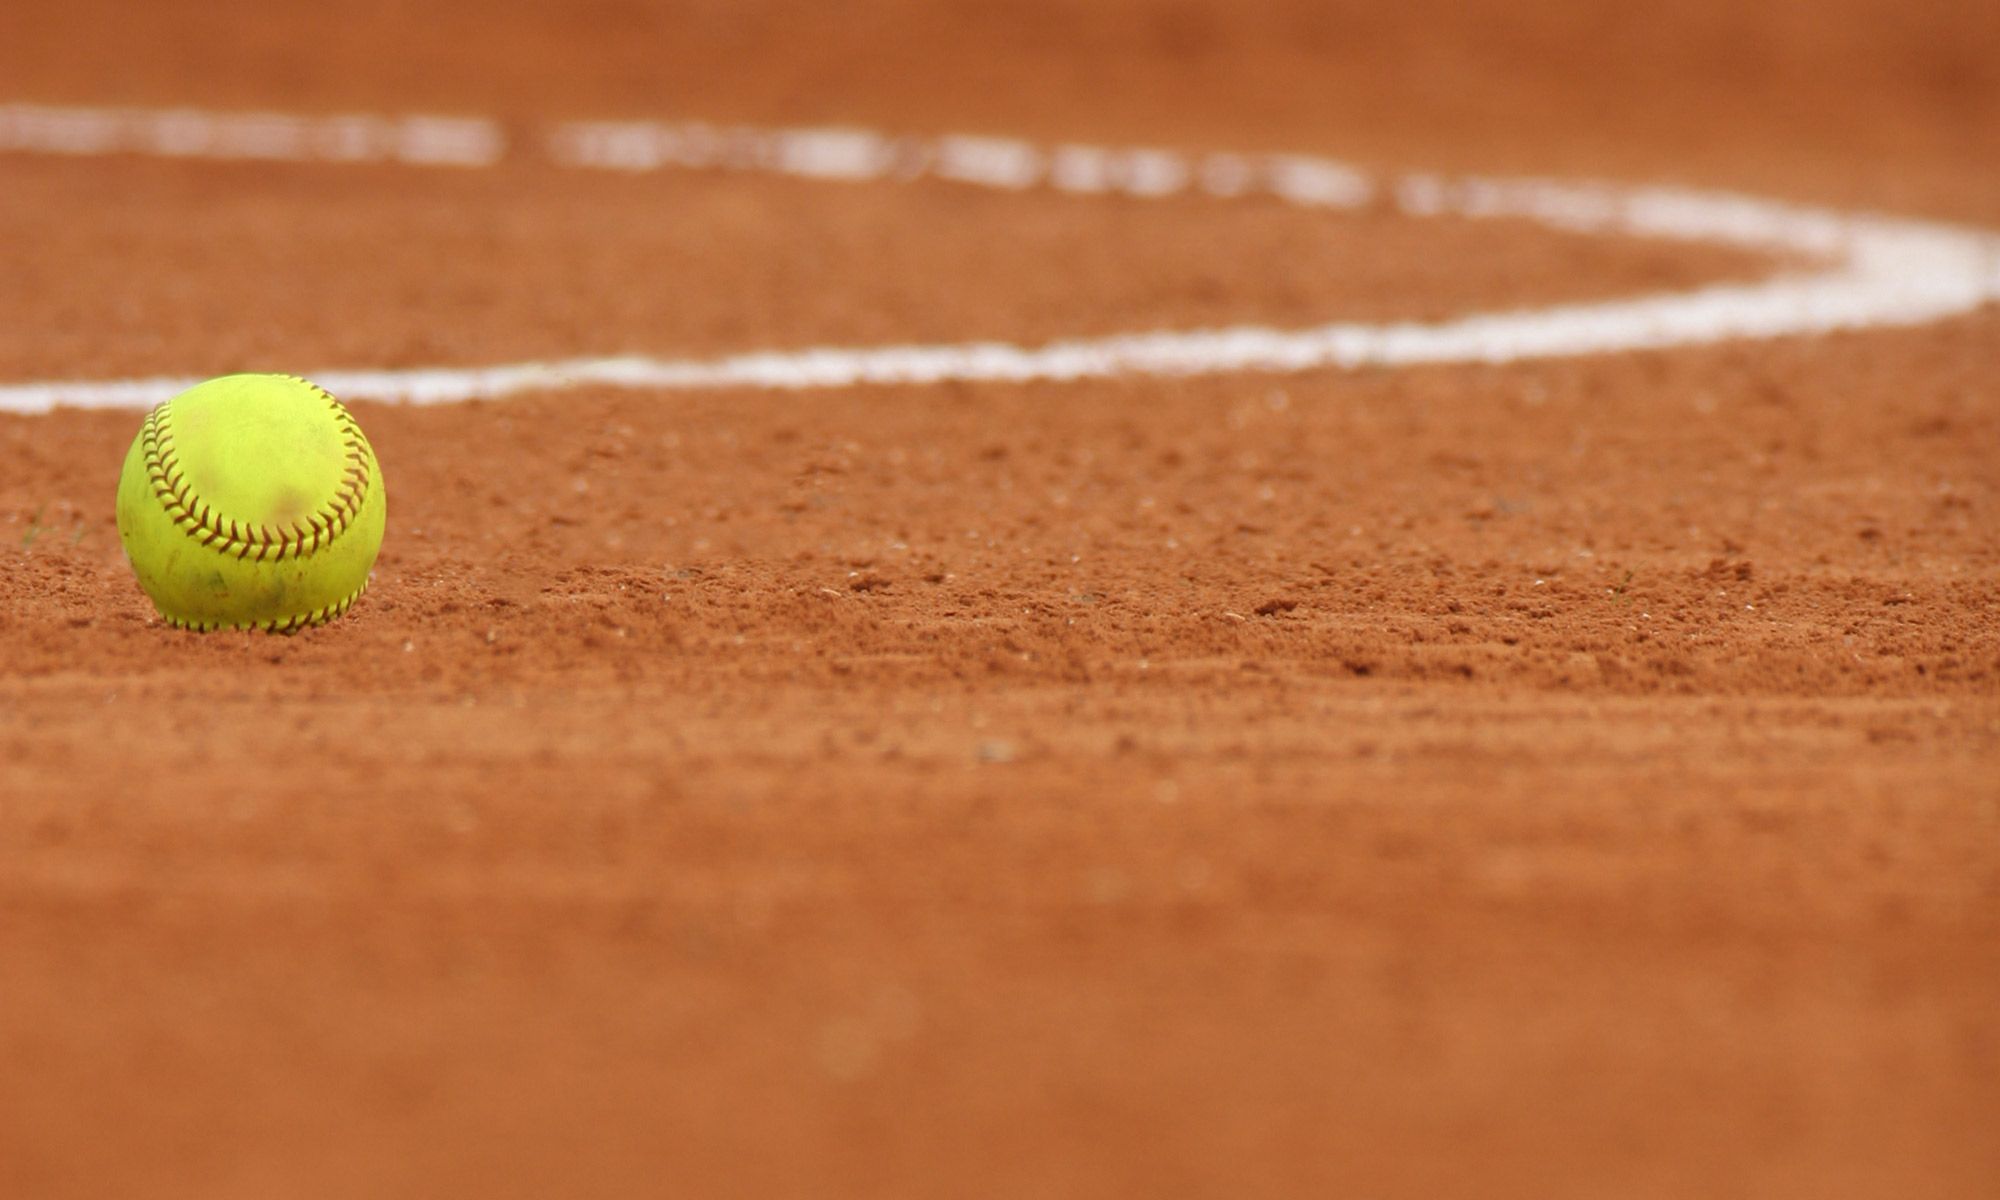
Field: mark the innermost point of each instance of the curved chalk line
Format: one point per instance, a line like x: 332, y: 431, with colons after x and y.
x: 1874, y: 271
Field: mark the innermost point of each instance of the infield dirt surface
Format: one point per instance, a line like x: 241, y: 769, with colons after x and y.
x: 1572, y: 778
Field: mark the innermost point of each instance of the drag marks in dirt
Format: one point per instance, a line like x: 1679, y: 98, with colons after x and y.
x: 1870, y: 271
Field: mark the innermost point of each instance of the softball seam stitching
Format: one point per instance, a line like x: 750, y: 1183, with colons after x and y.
x: 318, y: 616
x: 259, y: 543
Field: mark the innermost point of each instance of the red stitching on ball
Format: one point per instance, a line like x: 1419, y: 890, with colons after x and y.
x: 197, y: 517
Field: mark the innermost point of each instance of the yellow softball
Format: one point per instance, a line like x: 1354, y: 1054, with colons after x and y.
x: 251, y: 501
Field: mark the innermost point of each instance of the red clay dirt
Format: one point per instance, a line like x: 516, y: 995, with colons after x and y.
x: 1566, y: 779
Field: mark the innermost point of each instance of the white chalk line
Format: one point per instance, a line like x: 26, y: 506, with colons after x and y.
x: 1877, y: 272
x: 251, y: 137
